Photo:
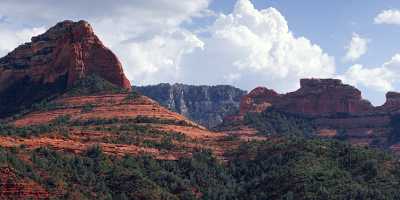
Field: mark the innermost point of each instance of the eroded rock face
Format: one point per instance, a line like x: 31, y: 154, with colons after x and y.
x: 52, y: 62
x: 392, y: 101
x: 258, y: 100
x: 316, y: 97
x: 324, y: 97
x: 206, y: 105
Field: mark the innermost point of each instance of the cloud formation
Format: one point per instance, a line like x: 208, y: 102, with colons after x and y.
x: 390, y: 16
x: 253, y: 47
x: 247, y: 47
x: 381, y: 78
x: 358, y: 46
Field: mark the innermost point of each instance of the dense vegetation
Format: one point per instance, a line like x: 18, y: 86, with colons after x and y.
x: 133, y: 131
x: 273, y: 122
x: 93, y: 85
x: 283, y: 169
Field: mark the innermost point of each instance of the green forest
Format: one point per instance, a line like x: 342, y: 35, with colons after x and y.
x: 292, y: 168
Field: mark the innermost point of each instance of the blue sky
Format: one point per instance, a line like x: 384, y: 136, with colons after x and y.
x: 246, y: 43
x: 330, y: 24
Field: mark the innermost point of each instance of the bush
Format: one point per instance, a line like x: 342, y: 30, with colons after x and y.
x: 87, y: 108
x: 93, y: 84
x: 273, y: 122
x: 133, y: 95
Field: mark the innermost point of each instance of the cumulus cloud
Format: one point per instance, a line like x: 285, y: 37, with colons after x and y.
x: 250, y: 47
x: 390, y: 16
x: 158, y: 59
x: 381, y: 78
x: 358, y: 46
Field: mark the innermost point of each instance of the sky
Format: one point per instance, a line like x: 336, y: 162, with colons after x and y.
x: 245, y: 43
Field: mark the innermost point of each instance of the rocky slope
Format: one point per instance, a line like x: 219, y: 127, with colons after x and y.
x: 206, y: 105
x: 53, y: 62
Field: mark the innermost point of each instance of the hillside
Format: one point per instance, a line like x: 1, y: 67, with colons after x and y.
x: 286, y: 169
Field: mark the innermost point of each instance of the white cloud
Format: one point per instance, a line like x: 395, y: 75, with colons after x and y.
x: 258, y: 45
x: 358, y: 46
x: 381, y: 78
x: 390, y: 16
x: 10, y: 39
x: 158, y: 59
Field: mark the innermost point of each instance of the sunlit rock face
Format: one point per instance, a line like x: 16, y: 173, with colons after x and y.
x: 316, y: 97
x: 52, y: 62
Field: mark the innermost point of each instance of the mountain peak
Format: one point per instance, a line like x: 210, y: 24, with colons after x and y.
x: 54, y: 61
x: 77, y: 31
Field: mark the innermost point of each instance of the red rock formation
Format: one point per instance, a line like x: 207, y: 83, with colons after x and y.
x: 324, y: 97
x: 316, y: 97
x: 258, y: 100
x: 69, y: 48
x: 52, y: 62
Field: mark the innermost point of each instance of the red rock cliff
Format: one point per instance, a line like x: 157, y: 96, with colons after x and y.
x: 315, y: 97
x: 68, y: 49
x: 392, y: 102
x: 258, y: 100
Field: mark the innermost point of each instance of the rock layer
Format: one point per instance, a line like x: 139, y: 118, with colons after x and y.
x: 316, y: 97
x: 52, y: 62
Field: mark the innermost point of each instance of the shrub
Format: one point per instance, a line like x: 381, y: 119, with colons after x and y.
x: 87, y: 108
x: 93, y: 84
x: 273, y: 122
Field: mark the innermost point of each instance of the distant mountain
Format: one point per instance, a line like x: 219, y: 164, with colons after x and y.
x: 206, y: 105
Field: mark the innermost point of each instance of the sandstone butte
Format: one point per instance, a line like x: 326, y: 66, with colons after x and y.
x: 334, y: 107
x: 317, y: 97
x: 53, y: 62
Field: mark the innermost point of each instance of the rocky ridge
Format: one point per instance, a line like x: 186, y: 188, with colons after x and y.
x: 316, y: 97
